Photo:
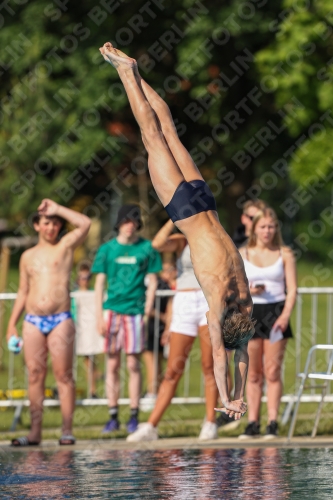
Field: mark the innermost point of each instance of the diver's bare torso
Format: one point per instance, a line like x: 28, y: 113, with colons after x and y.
x: 217, y: 263
x: 48, y: 272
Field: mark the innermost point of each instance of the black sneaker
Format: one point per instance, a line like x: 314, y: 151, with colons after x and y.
x: 271, y: 430
x: 252, y: 431
x: 222, y: 419
x: 226, y: 422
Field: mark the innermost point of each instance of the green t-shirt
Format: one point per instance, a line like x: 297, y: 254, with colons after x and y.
x: 125, y: 267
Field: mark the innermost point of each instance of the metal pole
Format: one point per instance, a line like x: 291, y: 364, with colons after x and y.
x: 4, y: 266
x: 75, y: 362
x: 314, y: 310
x: 156, y: 341
x: 298, y: 334
x: 329, y: 319
x: 11, y: 374
x: 105, y: 373
x: 122, y: 375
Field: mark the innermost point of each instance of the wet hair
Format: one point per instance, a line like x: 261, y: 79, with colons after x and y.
x: 267, y: 212
x: 237, y: 329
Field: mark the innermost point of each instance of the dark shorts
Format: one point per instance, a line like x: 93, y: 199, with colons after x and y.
x: 266, y: 315
x: 151, y: 335
x: 190, y: 198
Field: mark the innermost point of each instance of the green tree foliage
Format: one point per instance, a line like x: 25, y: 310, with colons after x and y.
x: 300, y: 64
x: 67, y: 127
x: 56, y: 109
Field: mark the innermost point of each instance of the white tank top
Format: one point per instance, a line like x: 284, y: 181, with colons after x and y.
x: 186, y: 278
x: 272, y: 277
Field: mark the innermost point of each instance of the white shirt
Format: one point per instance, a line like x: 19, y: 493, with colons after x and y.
x: 186, y: 278
x: 273, y: 277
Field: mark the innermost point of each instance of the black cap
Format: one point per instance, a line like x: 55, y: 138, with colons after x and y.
x: 129, y: 212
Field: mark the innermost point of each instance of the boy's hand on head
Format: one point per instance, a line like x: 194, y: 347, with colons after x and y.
x: 48, y: 207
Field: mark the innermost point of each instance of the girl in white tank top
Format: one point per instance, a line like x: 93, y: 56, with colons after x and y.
x: 272, y: 278
x: 271, y: 271
x: 186, y: 279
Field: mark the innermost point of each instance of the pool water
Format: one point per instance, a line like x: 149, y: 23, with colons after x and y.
x: 168, y: 474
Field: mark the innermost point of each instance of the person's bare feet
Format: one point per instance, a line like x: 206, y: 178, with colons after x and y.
x: 116, y: 57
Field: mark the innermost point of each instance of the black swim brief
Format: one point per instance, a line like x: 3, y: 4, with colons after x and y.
x: 190, y: 198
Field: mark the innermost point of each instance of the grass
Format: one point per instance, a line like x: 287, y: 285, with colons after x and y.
x: 178, y: 420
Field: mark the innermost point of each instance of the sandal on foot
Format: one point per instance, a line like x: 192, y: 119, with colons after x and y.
x: 23, y: 441
x: 67, y: 439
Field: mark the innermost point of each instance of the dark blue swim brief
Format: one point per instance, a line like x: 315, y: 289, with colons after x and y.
x: 190, y: 198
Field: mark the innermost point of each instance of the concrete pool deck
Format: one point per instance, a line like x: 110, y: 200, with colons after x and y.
x: 177, y: 444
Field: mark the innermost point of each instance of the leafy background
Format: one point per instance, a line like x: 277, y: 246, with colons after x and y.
x: 290, y: 44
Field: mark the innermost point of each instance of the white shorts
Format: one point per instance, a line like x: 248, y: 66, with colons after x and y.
x: 188, y: 312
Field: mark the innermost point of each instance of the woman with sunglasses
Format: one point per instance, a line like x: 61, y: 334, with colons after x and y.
x: 250, y: 210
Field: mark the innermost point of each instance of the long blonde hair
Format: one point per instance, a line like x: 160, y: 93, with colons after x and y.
x: 266, y: 212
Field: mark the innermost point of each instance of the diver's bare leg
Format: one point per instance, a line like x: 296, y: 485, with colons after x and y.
x: 183, y: 158
x: 164, y: 171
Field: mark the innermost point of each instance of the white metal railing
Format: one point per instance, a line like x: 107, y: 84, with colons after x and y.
x: 313, y: 325
x: 186, y: 398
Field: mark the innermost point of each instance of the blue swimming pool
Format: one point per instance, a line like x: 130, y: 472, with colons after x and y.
x: 168, y: 474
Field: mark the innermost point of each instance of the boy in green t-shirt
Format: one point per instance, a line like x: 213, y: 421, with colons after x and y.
x: 125, y: 261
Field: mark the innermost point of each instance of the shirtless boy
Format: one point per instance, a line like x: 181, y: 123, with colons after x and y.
x: 43, y: 293
x: 191, y: 206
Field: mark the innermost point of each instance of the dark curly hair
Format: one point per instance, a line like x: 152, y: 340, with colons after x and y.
x: 36, y: 218
x: 237, y: 329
